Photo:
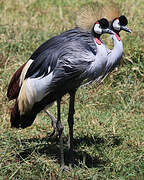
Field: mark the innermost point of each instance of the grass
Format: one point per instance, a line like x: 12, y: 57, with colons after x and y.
x: 109, y: 120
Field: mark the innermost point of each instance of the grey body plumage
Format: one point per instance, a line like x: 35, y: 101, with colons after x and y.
x: 77, y: 60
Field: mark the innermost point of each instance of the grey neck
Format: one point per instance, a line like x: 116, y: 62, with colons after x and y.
x: 115, y: 56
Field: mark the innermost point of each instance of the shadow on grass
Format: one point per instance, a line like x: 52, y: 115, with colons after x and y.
x: 50, y: 147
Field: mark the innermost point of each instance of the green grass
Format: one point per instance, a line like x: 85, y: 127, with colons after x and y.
x: 109, y: 120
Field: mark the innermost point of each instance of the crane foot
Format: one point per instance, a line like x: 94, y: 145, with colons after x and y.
x: 65, y: 169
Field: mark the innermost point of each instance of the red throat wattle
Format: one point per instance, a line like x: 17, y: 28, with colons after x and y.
x: 98, y: 41
x: 117, y: 36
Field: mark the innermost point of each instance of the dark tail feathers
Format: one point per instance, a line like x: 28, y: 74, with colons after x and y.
x: 13, y: 88
x: 23, y: 121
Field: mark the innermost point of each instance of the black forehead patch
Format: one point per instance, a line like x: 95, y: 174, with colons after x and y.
x: 123, y: 20
x: 104, y: 23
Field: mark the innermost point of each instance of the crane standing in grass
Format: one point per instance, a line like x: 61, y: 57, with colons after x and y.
x: 57, y: 67
x: 60, y: 66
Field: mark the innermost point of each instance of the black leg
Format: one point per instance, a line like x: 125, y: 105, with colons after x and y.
x: 71, y: 123
x: 60, y: 131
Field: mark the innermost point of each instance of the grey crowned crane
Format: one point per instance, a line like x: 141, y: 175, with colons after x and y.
x: 59, y: 66
x: 114, y: 56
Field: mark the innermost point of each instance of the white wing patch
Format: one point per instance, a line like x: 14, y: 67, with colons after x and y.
x: 33, y: 90
x: 49, y: 68
x: 24, y: 71
x: 41, y: 86
x: 23, y: 101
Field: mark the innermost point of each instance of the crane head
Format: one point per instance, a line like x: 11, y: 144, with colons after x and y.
x: 101, y: 27
x: 119, y: 24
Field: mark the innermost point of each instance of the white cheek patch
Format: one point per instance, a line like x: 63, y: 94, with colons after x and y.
x: 97, y: 29
x: 116, y: 25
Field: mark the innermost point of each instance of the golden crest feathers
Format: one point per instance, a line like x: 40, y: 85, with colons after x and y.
x: 92, y: 12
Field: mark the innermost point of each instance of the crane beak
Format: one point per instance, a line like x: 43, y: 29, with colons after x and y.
x: 125, y: 28
x: 108, y: 31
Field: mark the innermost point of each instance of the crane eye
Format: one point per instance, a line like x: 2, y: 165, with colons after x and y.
x: 98, y: 25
